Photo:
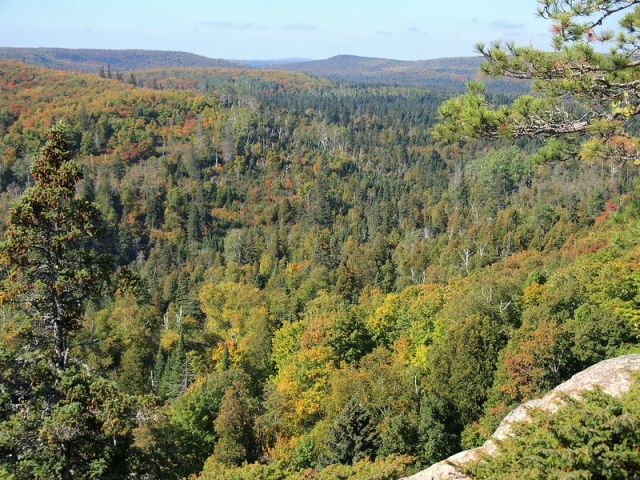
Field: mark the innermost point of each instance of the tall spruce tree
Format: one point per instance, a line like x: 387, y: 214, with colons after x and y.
x: 352, y: 437
x: 49, y: 258
x: 57, y: 419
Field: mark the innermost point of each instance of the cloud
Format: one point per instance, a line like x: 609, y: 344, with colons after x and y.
x: 506, y: 25
x: 418, y: 31
x: 232, y: 25
x: 300, y: 26
x: 383, y: 32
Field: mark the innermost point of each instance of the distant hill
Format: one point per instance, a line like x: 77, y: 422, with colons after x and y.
x: 269, y: 63
x: 441, y: 74
x: 445, y: 74
x: 90, y: 60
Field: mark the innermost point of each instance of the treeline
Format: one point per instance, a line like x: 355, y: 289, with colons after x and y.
x: 90, y: 60
x: 310, y: 269
x: 443, y: 74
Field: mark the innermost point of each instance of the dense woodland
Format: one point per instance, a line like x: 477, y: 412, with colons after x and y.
x: 303, y: 282
x: 90, y: 60
x: 445, y: 74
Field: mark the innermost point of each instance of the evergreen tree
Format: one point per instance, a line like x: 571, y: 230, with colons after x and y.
x: 594, y: 436
x: 49, y: 256
x: 352, y: 437
x: 603, y: 87
x: 57, y: 420
x: 177, y: 374
x: 234, y: 427
x: 437, y: 432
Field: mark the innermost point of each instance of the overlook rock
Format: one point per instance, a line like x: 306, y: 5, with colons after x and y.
x: 612, y: 376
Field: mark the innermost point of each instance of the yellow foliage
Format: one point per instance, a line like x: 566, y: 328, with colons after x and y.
x: 282, y: 448
x: 286, y: 342
x: 219, y: 350
x: 385, y: 317
x: 168, y: 339
x: 227, y: 305
x: 304, y: 382
x: 267, y: 264
x: 533, y: 294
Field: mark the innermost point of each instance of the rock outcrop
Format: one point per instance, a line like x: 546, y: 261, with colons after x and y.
x: 612, y: 376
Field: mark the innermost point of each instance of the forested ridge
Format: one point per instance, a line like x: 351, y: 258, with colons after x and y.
x: 304, y: 282
x: 446, y: 74
x: 91, y: 60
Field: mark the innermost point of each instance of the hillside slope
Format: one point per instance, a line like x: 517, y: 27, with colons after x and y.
x: 299, y: 245
x: 444, y: 74
x: 448, y: 74
x: 90, y: 60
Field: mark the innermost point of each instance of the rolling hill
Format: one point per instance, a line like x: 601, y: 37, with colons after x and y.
x: 445, y: 74
x: 449, y: 74
x: 90, y: 60
x: 359, y: 68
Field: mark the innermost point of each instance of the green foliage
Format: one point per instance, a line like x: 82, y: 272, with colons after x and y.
x: 463, y: 365
x: 387, y: 468
x: 600, y: 86
x: 350, y: 338
x: 437, y: 430
x: 50, y: 264
x: 234, y: 428
x: 71, y: 423
x: 58, y: 420
x: 178, y: 441
x: 469, y: 116
x: 352, y: 436
x: 292, y: 244
x: 500, y: 173
x: 177, y: 373
x: 595, y: 436
x: 383, y: 468
x: 303, y: 455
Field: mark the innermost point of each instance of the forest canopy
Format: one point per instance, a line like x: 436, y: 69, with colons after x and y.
x: 288, y: 264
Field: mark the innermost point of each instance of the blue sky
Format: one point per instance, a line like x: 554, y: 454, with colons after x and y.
x: 271, y: 29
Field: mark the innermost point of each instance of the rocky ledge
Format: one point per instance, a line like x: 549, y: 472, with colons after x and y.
x: 612, y: 376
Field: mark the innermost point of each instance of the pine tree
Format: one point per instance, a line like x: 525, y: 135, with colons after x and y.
x: 177, y: 374
x: 593, y: 436
x: 437, y: 431
x: 602, y: 87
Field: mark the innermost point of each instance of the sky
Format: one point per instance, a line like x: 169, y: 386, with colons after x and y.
x: 274, y: 29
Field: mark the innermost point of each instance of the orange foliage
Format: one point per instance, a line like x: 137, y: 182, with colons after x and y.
x: 535, y: 361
